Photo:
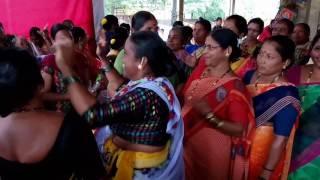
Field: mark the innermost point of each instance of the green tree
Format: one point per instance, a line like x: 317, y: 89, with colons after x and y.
x: 207, y: 9
x: 134, y: 5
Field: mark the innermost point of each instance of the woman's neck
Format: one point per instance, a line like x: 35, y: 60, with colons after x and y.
x: 263, y: 78
x: 144, y: 75
x: 315, y: 73
x: 250, y: 41
x: 35, y: 103
x: 218, y: 70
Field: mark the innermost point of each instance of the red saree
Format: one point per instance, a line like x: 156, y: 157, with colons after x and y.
x: 209, y: 153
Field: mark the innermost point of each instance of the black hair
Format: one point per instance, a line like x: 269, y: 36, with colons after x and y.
x: 140, y: 18
x: 306, y: 28
x: 205, y: 23
x: 20, y: 78
x: 285, y: 47
x: 37, y: 38
x: 56, y: 28
x: 78, y: 34
x: 187, y: 32
x: 34, y: 31
x: 314, y: 41
x: 180, y: 31
x: 110, y: 23
x: 218, y: 19
x: 69, y: 23
x: 258, y: 21
x: 1, y: 29
x: 126, y: 26
x: 288, y: 23
x: 118, y: 38
x: 240, y: 22
x: 160, y: 58
x: 10, y: 40
x: 177, y: 23
x: 227, y: 38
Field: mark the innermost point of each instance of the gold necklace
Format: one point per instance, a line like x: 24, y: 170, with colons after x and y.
x: 203, y: 75
x: 273, y: 80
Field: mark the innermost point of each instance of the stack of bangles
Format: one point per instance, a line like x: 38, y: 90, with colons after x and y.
x: 107, y: 68
x: 70, y: 79
x: 213, y: 120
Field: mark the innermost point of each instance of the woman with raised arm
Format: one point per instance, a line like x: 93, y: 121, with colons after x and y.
x: 144, y: 115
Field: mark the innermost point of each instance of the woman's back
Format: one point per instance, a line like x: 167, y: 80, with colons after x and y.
x: 46, y: 145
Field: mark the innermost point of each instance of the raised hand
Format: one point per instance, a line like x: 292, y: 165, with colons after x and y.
x: 64, y: 54
x: 102, y: 49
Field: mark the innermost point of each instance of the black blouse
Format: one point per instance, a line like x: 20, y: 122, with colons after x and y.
x: 74, y: 154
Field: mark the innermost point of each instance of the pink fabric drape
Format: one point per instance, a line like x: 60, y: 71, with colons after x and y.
x: 18, y: 16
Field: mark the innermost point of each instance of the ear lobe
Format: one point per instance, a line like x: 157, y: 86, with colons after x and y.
x: 229, y: 51
x: 286, y: 64
x: 143, y: 62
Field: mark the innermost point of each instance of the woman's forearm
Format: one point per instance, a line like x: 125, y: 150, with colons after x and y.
x: 115, y: 80
x: 230, y: 128
x: 275, y: 152
x: 80, y: 97
x: 54, y: 97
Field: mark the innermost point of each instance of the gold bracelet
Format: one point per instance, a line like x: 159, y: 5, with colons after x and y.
x: 214, y: 121
x: 209, y: 115
x: 220, y: 124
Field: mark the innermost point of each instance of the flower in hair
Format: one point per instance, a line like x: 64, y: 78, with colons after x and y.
x: 104, y: 21
x: 113, y: 41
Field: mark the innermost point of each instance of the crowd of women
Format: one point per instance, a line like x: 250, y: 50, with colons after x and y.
x: 236, y: 101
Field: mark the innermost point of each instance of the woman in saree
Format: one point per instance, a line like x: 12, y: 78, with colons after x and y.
x: 249, y: 44
x: 217, y: 113
x: 249, y: 47
x: 276, y: 105
x: 143, y: 116
x: 305, y: 158
x: 238, y: 25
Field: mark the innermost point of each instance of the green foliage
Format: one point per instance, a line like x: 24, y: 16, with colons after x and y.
x: 209, y: 10
x: 111, y: 6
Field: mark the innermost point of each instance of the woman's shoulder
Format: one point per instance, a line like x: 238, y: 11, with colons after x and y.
x: 49, y: 62
x: 248, y: 76
x: 294, y: 74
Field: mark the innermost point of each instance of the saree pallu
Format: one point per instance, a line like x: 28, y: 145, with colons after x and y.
x: 243, y: 65
x: 268, y: 100
x: 209, y: 153
x: 306, y: 149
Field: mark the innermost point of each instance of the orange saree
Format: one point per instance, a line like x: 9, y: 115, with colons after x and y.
x: 269, y: 100
x: 208, y: 152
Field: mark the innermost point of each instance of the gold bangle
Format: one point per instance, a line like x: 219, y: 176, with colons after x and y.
x: 209, y: 115
x: 214, y: 121
x: 220, y: 124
